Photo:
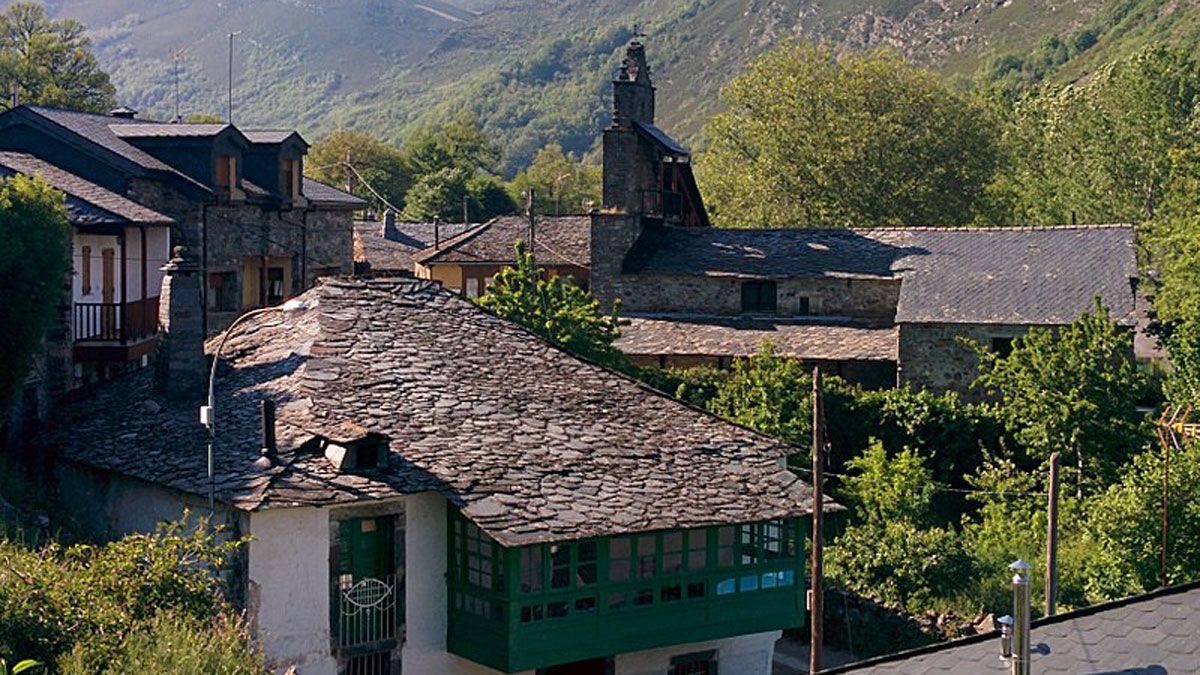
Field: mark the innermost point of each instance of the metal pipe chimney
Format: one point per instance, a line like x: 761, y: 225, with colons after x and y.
x: 1021, y: 618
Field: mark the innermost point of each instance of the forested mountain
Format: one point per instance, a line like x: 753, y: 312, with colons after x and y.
x: 537, y: 70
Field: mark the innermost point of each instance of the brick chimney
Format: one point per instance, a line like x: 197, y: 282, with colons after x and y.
x: 389, y: 225
x: 181, y: 367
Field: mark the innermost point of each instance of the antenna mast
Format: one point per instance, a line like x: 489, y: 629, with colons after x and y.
x: 231, y: 36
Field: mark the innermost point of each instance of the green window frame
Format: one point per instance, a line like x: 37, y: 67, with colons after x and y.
x: 760, y: 296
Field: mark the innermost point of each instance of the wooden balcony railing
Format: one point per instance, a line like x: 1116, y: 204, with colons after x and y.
x: 114, y: 322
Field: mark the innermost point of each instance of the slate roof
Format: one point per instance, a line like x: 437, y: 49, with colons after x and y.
x: 395, y: 254
x: 736, y: 336
x: 534, y: 443
x: 561, y: 240
x: 1152, y: 634
x: 99, y: 130
x: 87, y: 203
x: 662, y: 139
x: 166, y: 130
x: 1023, y: 275
x: 271, y: 136
x: 327, y: 195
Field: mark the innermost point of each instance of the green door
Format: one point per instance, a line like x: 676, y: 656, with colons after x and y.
x: 367, y: 585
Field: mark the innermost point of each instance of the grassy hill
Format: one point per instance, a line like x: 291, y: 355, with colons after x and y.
x: 538, y: 70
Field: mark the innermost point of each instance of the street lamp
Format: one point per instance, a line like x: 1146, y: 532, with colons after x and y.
x: 208, y: 411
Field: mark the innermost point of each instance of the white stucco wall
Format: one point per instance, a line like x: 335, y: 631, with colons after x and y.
x: 107, y: 505
x: 425, y: 548
x: 157, y: 253
x: 289, y: 587
x: 741, y: 655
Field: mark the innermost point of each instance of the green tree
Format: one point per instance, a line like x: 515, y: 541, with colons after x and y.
x: 1124, y: 526
x: 456, y: 143
x: 375, y: 163
x: 203, y: 118
x: 813, y: 139
x: 768, y: 393
x: 441, y: 194
x: 891, y: 551
x: 1073, y: 390
x: 1182, y: 385
x: 50, y: 62
x: 173, y: 643
x: 1104, y: 149
x: 561, y: 183
x: 555, y: 308
x: 34, y: 262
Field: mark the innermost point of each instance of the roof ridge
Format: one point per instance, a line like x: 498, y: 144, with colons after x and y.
x: 913, y: 228
x: 431, y: 252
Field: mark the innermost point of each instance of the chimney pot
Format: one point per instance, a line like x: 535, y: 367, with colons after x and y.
x: 269, y: 447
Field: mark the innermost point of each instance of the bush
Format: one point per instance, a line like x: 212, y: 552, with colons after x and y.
x: 55, y: 598
x: 172, y: 643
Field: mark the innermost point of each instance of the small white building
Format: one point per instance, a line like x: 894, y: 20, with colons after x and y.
x: 430, y: 489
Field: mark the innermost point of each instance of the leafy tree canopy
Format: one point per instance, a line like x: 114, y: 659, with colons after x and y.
x: 1075, y: 391
x: 811, y: 138
x: 375, y: 163
x: 554, y: 307
x: 50, y: 62
x: 34, y: 262
x: 561, y: 183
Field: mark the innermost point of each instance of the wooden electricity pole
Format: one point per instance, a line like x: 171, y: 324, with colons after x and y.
x: 816, y: 603
x: 1052, y: 540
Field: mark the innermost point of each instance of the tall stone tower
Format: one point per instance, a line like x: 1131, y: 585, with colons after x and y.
x: 627, y: 168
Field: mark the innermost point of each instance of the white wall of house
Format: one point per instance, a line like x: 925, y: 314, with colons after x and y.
x: 743, y: 655
x: 157, y: 253
x: 110, y: 505
x: 289, y: 588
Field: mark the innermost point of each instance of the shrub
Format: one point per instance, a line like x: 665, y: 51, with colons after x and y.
x: 172, y: 643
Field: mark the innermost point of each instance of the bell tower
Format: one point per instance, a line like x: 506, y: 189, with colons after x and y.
x: 626, y: 171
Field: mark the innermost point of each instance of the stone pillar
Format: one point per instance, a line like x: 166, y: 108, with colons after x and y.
x: 181, y: 369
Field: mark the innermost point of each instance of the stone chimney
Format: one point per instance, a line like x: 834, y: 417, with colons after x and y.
x: 181, y: 368
x: 389, y: 225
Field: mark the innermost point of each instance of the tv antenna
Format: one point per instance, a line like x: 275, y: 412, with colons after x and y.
x: 231, y: 36
x: 177, y: 55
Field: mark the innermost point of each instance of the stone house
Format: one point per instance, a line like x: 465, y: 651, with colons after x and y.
x: 236, y: 199
x: 466, y: 263
x: 878, y: 306
x: 431, y: 489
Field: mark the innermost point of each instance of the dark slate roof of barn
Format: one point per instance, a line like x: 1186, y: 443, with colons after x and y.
x: 533, y: 443
x: 1023, y: 275
x: 714, y: 336
x: 87, y: 203
x: 561, y: 240
x: 326, y: 195
x: 272, y: 136
x: 1152, y: 634
x: 395, y: 254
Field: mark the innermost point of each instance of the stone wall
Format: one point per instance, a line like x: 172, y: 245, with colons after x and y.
x: 613, y: 234
x: 932, y: 355
x: 870, y: 300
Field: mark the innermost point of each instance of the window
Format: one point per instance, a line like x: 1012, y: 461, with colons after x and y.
x: 1002, y: 346
x: 275, y: 289
x: 287, y: 171
x: 699, y: 663
x: 85, y: 270
x: 226, y: 171
x: 223, y: 291
x: 758, y: 296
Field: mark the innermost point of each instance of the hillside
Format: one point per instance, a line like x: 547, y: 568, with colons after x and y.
x: 537, y: 70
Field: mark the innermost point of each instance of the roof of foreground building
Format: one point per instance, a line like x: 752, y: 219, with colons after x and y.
x: 1151, y: 634
x: 533, y: 443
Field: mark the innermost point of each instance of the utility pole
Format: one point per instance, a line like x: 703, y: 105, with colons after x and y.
x: 231, y: 36
x: 176, y: 54
x: 529, y: 214
x: 1052, y: 540
x: 816, y: 600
